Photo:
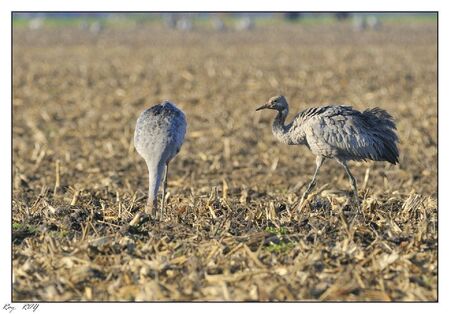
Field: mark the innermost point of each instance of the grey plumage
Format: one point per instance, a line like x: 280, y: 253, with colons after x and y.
x: 158, y: 137
x: 339, y: 132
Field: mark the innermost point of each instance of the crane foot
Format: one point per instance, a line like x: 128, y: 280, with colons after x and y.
x: 302, y: 202
x: 358, y: 207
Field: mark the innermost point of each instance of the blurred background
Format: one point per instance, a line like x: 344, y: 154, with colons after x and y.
x: 216, y: 21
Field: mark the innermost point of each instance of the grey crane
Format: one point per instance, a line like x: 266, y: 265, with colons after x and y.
x: 158, y: 137
x: 339, y: 132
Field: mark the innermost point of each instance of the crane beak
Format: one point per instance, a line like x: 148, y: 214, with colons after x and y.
x: 265, y: 106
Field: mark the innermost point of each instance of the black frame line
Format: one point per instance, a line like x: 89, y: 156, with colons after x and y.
x: 200, y: 301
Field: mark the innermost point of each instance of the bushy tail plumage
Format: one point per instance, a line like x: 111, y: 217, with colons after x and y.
x: 383, y: 126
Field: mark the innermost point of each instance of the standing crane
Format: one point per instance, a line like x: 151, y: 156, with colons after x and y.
x: 338, y: 132
x: 158, y: 137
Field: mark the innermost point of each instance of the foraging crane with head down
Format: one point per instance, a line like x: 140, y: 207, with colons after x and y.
x: 338, y: 132
x: 158, y: 137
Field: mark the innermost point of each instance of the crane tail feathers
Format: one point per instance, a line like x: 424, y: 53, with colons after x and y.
x: 384, y: 128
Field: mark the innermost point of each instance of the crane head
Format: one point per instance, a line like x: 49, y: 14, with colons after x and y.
x: 278, y: 103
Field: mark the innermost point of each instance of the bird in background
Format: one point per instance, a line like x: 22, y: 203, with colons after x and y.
x: 339, y: 132
x: 158, y: 137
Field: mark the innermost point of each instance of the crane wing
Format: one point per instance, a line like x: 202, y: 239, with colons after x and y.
x: 340, y: 131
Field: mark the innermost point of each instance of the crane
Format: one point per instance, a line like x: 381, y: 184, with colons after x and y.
x: 339, y: 132
x: 158, y: 137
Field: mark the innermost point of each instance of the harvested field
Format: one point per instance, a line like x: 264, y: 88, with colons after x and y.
x: 230, y: 233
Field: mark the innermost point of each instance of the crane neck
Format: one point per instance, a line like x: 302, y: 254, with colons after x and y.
x: 279, y: 129
x: 155, y: 174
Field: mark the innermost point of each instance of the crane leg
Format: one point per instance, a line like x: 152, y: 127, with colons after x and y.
x: 164, y: 190
x: 352, y: 181
x: 319, y: 162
